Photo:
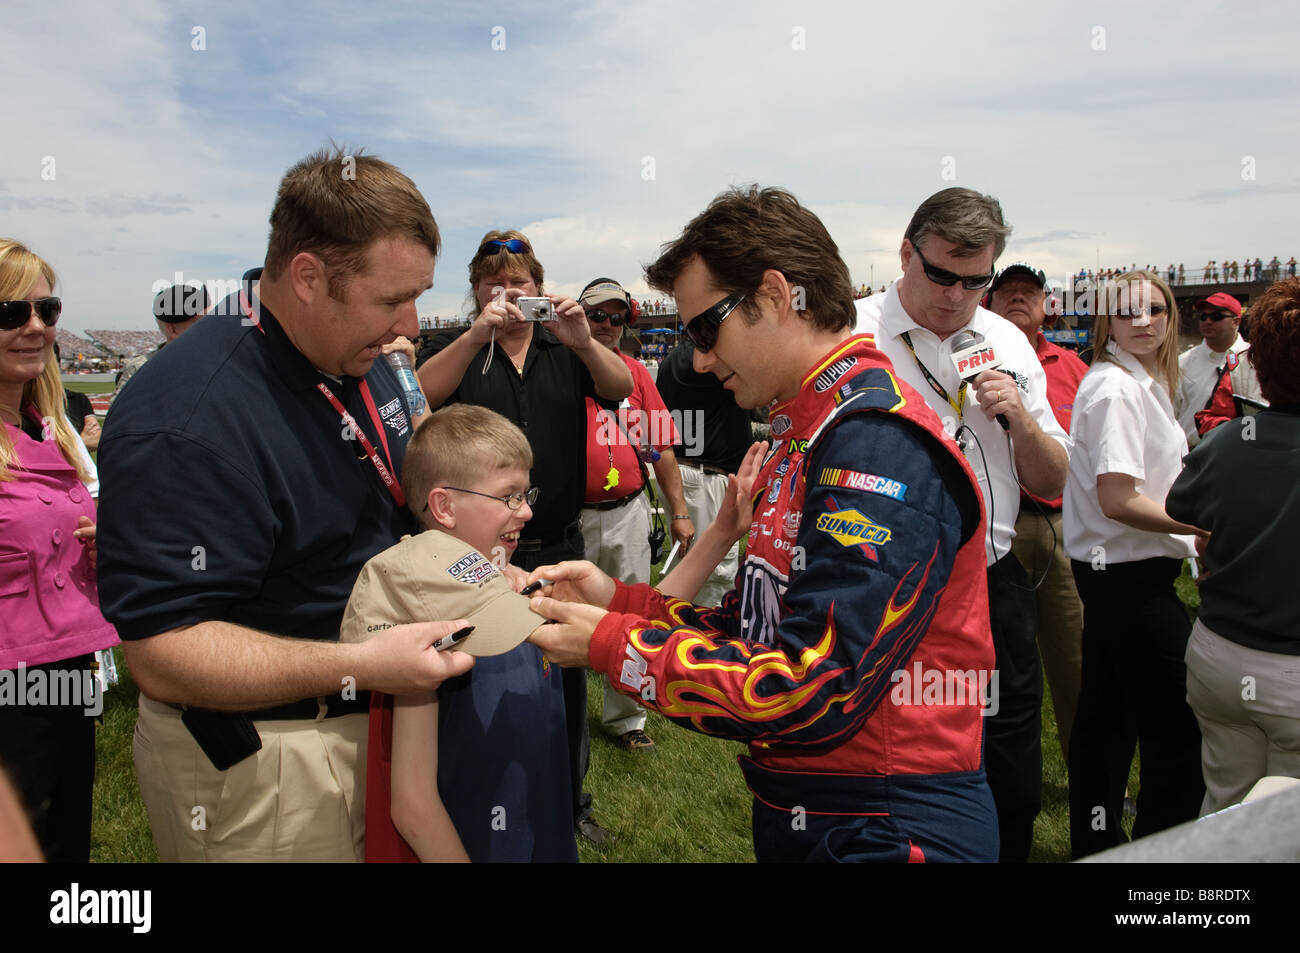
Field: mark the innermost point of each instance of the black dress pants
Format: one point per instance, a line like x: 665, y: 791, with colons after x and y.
x: 1013, y: 742
x: 48, y: 751
x: 1133, y: 690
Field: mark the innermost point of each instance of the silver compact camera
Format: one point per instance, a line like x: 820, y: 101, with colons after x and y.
x: 536, y: 309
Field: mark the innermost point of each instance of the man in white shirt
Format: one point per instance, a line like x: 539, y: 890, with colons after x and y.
x: 1005, y: 426
x: 1200, y: 367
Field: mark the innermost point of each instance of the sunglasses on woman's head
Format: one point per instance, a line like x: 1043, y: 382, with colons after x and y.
x: 515, y: 246
x: 14, y: 314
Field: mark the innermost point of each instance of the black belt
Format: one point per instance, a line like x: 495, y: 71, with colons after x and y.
x: 309, y: 708
x: 533, y: 545
x: 706, y: 467
x: 613, y: 504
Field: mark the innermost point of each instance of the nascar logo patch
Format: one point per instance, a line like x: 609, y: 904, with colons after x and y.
x: 869, y: 482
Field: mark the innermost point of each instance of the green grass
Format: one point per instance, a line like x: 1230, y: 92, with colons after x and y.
x: 685, y: 802
x: 119, y: 830
x: 89, y: 387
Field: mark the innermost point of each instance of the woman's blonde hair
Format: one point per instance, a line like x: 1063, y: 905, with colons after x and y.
x: 19, y: 270
x: 1112, y: 301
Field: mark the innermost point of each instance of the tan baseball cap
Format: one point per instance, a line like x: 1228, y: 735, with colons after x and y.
x: 433, y: 577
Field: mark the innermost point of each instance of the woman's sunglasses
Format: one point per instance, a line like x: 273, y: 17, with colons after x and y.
x: 515, y: 246
x: 14, y: 314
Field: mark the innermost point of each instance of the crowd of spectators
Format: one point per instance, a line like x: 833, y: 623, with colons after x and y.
x: 1245, y: 270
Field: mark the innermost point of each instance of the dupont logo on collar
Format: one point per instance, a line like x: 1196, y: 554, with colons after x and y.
x: 827, y: 378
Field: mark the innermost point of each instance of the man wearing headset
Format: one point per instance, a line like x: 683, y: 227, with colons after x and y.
x: 1005, y: 426
x: 616, y: 511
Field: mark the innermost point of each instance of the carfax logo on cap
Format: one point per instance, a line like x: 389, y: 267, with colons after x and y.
x: 472, y: 569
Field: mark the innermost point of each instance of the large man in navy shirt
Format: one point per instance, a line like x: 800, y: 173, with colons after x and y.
x: 248, y: 473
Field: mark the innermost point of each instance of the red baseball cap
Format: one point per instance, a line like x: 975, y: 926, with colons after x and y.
x: 1221, y: 300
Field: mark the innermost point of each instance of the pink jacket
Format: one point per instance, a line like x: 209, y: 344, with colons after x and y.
x: 49, y: 606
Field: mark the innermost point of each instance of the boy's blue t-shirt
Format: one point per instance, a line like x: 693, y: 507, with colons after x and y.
x: 503, y: 760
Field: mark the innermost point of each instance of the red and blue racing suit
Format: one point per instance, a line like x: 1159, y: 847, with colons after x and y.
x: 856, y: 657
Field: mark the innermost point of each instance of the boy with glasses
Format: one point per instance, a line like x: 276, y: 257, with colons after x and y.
x: 478, y: 769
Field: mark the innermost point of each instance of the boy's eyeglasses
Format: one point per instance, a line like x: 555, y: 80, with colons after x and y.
x: 597, y: 316
x: 513, y: 500
x: 702, y: 330
x: 14, y: 314
x: 946, y: 278
x: 515, y: 246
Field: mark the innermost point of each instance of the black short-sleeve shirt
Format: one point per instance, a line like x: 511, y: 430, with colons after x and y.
x: 79, y: 408
x: 726, y: 424
x: 232, y: 490
x: 547, y: 402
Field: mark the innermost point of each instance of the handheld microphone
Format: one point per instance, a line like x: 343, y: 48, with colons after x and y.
x: 971, y: 358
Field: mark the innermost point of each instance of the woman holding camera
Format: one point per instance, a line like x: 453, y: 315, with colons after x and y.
x: 1125, y: 553
x: 48, y: 599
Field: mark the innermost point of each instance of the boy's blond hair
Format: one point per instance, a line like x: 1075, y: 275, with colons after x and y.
x: 455, y: 446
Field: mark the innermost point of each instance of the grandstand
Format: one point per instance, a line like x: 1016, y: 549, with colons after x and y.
x: 124, y: 344
x: 77, y: 349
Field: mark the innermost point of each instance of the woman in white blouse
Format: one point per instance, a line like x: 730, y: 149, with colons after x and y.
x: 1126, y: 552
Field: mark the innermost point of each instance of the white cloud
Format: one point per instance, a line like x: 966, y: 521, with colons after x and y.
x: 168, y: 158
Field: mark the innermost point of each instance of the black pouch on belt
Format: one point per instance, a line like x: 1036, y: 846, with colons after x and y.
x: 226, y: 737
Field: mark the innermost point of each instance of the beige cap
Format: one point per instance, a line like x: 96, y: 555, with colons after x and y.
x: 435, y: 577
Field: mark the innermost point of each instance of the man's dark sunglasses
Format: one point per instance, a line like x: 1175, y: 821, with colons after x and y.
x: 946, y: 278
x: 515, y: 246
x: 1215, y: 315
x: 615, y: 320
x: 14, y: 314
x: 702, y: 330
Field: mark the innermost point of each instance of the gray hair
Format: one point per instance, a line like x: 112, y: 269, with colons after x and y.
x: 964, y: 217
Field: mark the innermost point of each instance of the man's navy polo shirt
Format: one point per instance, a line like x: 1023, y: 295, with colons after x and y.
x: 229, y: 491
x: 548, y: 403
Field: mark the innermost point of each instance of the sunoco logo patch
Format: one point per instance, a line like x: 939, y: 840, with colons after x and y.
x: 854, y: 528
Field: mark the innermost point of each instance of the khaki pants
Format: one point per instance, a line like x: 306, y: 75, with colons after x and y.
x: 1247, y: 703
x: 300, y: 798
x: 704, y: 492
x: 617, y: 541
x: 1060, y: 613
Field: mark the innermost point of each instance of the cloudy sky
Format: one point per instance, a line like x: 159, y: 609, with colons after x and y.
x: 145, y: 138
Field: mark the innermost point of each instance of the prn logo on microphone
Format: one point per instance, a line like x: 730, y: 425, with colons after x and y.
x: 974, y: 359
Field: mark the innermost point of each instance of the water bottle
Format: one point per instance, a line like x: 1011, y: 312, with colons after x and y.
x: 401, y: 365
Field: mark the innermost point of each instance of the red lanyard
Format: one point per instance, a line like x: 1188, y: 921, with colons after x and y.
x: 385, y: 472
